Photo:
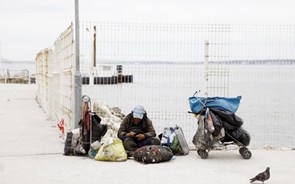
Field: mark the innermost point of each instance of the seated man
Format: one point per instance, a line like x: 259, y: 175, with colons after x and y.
x: 137, y: 130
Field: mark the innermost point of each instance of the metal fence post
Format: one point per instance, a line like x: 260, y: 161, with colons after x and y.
x: 77, y: 94
x: 206, y: 72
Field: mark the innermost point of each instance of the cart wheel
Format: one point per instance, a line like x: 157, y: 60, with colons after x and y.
x: 203, y: 154
x: 242, y: 149
x: 246, y: 154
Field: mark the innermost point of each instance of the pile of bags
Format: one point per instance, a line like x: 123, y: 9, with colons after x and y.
x: 218, y: 125
x: 100, y: 142
x: 97, y: 138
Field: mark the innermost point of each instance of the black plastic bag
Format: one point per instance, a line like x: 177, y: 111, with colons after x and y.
x: 229, y: 117
x: 68, y: 144
x: 98, y: 129
x: 217, y: 122
x: 239, y: 134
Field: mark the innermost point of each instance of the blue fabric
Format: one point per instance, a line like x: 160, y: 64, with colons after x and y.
x: 197, y: 104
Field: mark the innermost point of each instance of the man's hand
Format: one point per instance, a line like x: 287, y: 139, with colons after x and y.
x: 130, y: 134
x: 140, y: 136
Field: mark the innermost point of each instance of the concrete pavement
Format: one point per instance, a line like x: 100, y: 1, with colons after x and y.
x: 31, y: 152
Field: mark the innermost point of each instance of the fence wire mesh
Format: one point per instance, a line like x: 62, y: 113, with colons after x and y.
x: 160, y: 65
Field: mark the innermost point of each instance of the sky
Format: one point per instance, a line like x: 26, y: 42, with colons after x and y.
x: 29, y: 26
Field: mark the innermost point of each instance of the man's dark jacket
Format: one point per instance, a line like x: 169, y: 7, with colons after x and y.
x: 145, y: 127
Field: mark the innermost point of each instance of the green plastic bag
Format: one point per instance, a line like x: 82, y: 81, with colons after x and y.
x: 175, y: 146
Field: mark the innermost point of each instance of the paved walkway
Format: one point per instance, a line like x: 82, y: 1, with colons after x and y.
x: 31, y: 153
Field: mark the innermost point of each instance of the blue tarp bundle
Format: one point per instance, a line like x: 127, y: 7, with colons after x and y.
x: 197, y: 104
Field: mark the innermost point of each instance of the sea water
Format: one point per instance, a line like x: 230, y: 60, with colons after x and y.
x: 267, y: 105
